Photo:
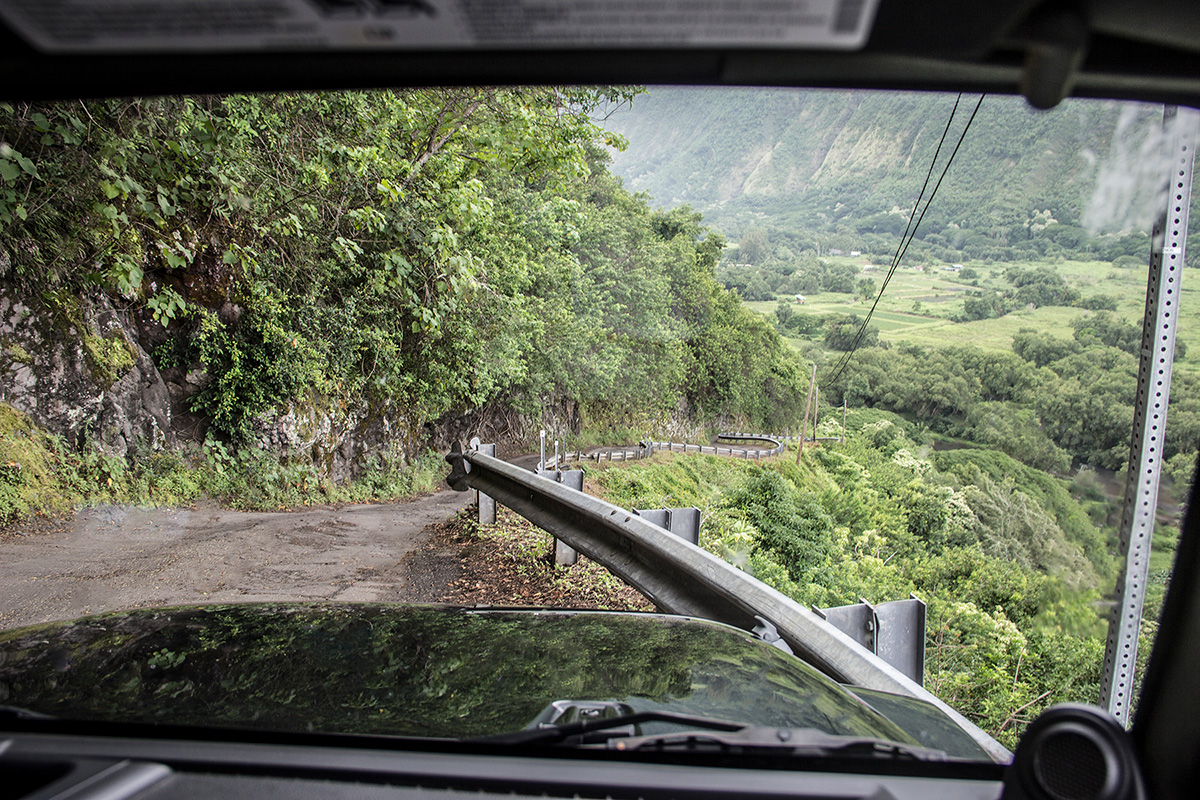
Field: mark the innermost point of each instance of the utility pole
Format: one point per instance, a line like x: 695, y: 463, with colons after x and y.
x: 812, y: 384
x: 816, y: 408
x: 1150, y: 415
x: 843, y: 439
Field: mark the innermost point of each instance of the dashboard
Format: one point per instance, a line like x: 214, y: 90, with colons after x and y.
x: 45, y: 766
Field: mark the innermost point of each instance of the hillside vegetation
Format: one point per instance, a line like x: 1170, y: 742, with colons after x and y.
x: 1029, y: 343
x: 1009, y: 565
x: 995, y: 381
x: 420, y: 255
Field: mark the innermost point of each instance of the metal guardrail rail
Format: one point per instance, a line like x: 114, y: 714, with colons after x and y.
x: 680, y: 578
x: 648, y: 448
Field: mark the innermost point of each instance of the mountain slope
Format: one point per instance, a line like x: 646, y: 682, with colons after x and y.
x: 820, y: 160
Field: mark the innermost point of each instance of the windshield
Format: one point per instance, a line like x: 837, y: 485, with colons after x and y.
x: 415, y: 671
x: 241, y: 333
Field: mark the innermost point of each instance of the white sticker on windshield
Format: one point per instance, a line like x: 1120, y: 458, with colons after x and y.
x: 141, y: 26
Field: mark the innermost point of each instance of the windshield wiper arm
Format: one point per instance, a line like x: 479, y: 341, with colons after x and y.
x: 553, y: 734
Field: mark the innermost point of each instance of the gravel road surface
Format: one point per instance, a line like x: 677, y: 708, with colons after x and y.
x: 118, y: 557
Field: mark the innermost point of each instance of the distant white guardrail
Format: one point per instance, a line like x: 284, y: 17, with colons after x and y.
x: 648, y: 448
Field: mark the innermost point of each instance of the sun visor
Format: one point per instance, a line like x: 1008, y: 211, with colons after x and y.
x: 210, y: 26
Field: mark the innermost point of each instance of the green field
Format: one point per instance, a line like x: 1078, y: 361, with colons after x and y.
x: 919, y: 305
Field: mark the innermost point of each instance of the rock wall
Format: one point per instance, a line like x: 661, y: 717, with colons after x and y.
x: 75, y: 367
x: 80, y: 367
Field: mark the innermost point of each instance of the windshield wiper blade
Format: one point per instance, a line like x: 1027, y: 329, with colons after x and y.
x: 790, y: 741
x: 554, y: 734
x: 16, y: 712
x: 708, y: 733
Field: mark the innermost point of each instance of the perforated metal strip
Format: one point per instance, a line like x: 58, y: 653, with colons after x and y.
x: 1150, y: 416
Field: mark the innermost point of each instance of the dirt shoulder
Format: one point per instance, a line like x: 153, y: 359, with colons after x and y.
x: 118, y: 557
x: 509, y: 564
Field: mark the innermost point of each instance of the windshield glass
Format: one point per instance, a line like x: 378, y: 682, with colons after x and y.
x: 414, y: 671
x: 241, y: 333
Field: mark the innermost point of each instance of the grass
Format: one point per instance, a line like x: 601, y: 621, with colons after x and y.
x: 919, y: 306
x: 41, y: 476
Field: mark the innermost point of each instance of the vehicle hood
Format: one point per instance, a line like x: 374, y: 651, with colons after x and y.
x: 405, y: 670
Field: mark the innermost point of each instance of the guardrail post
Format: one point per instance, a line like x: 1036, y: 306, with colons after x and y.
x: 556, y: 455
x: 485, y: 504
x: 655, y: 516
x: 564, y: 554
x: 683, y: 522
x: 894, y: 631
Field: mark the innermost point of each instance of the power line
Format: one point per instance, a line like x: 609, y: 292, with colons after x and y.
x: 902, y: 247
x: 905, y: 236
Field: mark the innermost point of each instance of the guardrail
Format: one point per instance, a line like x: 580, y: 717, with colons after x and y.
x: 681, y: 578
x: 648, y: 448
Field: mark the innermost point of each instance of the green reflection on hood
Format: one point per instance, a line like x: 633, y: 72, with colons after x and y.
x: 408, y: 670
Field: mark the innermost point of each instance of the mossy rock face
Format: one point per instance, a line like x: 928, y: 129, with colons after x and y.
x: 110, y: 356
x: 340, y: 437
x: 73, y: 365
x: 18, y: 353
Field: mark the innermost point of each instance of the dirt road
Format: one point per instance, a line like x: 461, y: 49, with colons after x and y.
x: 118, y: 557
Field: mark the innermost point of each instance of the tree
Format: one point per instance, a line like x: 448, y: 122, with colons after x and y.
x: 1106, y: 329
x: 840, y: 333
x: 984, y: 305
x: 839, y: 278
x: 1041, y: 286
x: 784, y: 314
x: 1042, y: 348
x: 754, y: 246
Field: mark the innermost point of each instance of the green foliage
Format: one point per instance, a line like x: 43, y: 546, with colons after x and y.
x: 29, y: 465
x: 433, y: 249
x: 995, y: 548
x: 1098, y: 302
x: 41, y: 475
x: 1040, y: 287
x: 1051, y: 403
x: 1104, y: 328
x: 841, y: 334
x: 791, y: 526
x: 1181, y: 470
x: 1042, y: 348
x: 987, y: 469
x: 253, y: 367
x: 984, y: 305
